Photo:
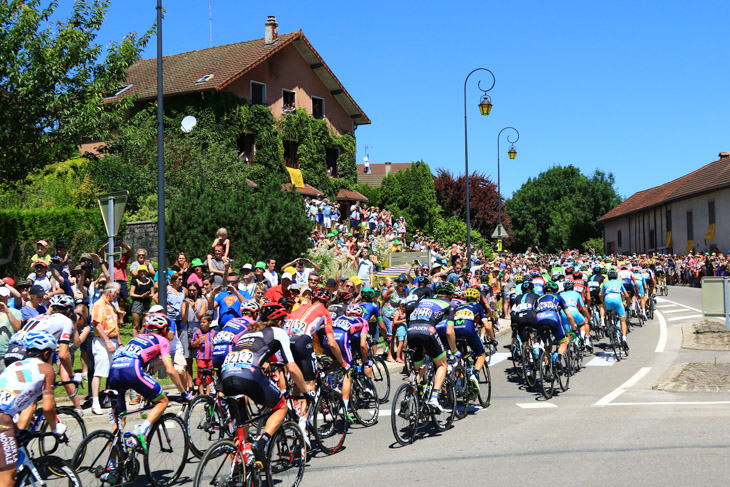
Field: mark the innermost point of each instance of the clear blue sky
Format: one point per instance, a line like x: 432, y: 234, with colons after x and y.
x: 639, y: 89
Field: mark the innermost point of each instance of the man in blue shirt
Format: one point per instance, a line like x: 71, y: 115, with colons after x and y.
x: 34, y: 306
x: 227, y: 300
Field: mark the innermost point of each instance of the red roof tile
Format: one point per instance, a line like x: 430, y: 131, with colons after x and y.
x: 347, y: 195
x: 713, y: 176
x: 378, y: 169
x: 307, y: 190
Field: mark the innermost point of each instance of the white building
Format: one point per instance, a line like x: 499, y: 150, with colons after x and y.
x: 691, y: 213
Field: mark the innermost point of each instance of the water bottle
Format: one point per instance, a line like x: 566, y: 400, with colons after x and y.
x: 358, y: 368
x: 130, y: 441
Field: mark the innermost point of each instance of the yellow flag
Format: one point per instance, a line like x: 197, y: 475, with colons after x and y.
x: 710, y: 235
x: 690, y: 245
x: 669, y: 238
x: 296, y: 177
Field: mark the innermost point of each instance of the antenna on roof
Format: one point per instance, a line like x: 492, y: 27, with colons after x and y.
x: 366, y: 160
x: 210, y: 17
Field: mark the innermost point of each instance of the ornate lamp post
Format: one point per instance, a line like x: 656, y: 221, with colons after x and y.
x: 512, y: 153
x: 485, y: 107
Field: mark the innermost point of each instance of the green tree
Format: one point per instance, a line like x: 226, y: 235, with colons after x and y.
x: 53, y: 82
x: 452, y: 229
x: 412, y: 194
x: 558, y: 209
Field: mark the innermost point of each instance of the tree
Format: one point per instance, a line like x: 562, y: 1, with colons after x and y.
x: 411, y: 194
x: 53, y: 84
x: 452, y: 229
x: 483, y: 200
x: 559, y: 208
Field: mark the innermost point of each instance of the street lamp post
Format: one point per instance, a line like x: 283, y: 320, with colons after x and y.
x: 161, y: 259
x: 485, y: 107
x: 512, y: 154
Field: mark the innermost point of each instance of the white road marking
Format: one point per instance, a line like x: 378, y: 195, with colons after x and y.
x: 605, y: 400
x: 666, y: 302
x: 602, y: 359
x: 662, y: 343
x: 671, y: 403
x: 499, y: 357
x: 679, y: 318
x: 676, y: 310
x: 536, y: 405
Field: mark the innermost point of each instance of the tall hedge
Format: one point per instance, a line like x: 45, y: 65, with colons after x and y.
x: 81, y: 231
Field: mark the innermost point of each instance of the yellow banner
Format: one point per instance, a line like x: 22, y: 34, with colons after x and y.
x: 690, y: 245
x: 669, y: 238
x: 296, y: 177
x: 710, y: 235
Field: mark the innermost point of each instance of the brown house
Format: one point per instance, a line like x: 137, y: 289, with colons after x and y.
x: 282, y: 72
x: 373, y: 174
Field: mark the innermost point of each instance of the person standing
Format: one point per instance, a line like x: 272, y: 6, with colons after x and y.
x: 270, y: 272
x: 10, y: 321
x: 216, y: 265
x: 141, y: 293
x: 105, y: 320
x: 355, y: 215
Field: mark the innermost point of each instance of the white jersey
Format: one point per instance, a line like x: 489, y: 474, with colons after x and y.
x: 58, y: 325
x: 17, y: 395
x: 625, y: 275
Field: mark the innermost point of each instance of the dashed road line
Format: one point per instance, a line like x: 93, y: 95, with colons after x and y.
x: 536, y: 405
x: 688, y: 317
x: 606, y: 400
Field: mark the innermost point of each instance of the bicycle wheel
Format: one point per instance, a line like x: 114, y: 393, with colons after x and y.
x: 53, y: 472
x: 528, y: 365
x: 484, y: 394
x: 220, y: 465
x: 286, y: 456
x: 547, y: 378
x: 616, y: 343
x: 563, y: 370
x: 65, y: 446
x: 381, y: 379
x: 92, y: 456
x: 329, y: 421
x: 204, y: 424
x: 364, y: 402
x: 517, y: 359
x: 168, y: 448
x: 447, y: 399
x: 404, y: 414
x: 461, y: 388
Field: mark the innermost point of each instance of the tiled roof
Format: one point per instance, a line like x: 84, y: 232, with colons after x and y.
x: 379, y: 169
x: 713, y: 176
x: 347, y: 195
x: 307, y: 190
x: 226, y: 63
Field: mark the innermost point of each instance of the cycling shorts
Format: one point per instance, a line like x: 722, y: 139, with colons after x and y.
x: 640, y: 290
x: 577, y: 316
x: 423, y: 338
x: 8, y: 443
x: 355, y: 347
x: 467, y: 331
x: 342, y: 338
x: 256, y: 386
x: 650, y: 284
x: 629, y: 286
x: 302, y: 350
x: 554, y: 325
x: 126, y: 373
x: 615, y: 303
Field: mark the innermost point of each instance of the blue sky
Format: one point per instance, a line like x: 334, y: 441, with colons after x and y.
x: 639, y: 89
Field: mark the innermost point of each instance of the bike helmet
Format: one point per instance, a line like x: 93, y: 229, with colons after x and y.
x: 344, y: 297
x: 368, y: 294
x: 596, y: 269
x: 551, y: 286
x: 612, y: 274
x: 459, y: 294
x: 422, y: 281
x: 39, y: 341
x: 158, y: 321
x: 527, y: 277
x: 322, y: 294
x: 273, y: 312
x: 472, y: 294
x: 287, y: 303
x: 445, y: 287
x: 250, y: 307
x: 62, y: 301
x: 536, y: 274
x: 527, y: 286
x: 518, y: 279
x: 355, y: 310
x: 484, y: 277
x: 584, y: 268
x: 578, y: 275
x: 568, y: 286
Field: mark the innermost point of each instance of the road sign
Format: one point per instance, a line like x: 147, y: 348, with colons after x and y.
x: 118, y: 201
x: 499, y: 232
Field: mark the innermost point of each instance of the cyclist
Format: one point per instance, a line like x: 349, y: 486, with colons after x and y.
x: 21, y: 383
x: 373, y: 316
x: 548, y: 309
x: 627, y: 279
x: 242, y: 373
x: 613, y: 293
x: 226, y: 337
x: 594, y: 291
x: 649, y: 278
x: 523, y: 311
x: 538, y: 282
x: 250, y: 310
x: 423, y: 337
x: 641, y: 289
x: 578, y: 309
x: 339, y: 305
x: 466, y: 316
x: 59, y: 322
x: 127, y: 371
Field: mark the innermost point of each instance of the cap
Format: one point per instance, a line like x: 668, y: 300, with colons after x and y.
x: 286, y: 275
x: 37, y: 291
x: 436, y: 265
x: 356, y: 280
x: 197, y: 263
x: 290, y: 270
x: 77, y: 268
x: 331, y: 282
x: 39, y: 262
x: 4, y: 292
x: 260, y: 265
x: 246, y: 267
x: 304, y: 289
x: 295, y: 287
x: 85, y: 256
x: 42, y: 242
x: 10, y: 282
x: 402, y: 277
x: 22, y: 284
x: 343, y: 278
x: 140, y: 268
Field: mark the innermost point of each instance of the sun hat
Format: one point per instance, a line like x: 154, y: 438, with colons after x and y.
x: 197, y: 263
x: 260, y: 265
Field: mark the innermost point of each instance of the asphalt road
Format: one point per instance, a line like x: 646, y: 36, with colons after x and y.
x: 609, y: 427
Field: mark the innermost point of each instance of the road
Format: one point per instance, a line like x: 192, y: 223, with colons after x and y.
x: 609, y: 427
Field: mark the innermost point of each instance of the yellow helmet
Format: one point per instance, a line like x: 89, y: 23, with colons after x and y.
x: 472, y: 294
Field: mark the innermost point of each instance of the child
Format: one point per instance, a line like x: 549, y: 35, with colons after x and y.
x: 222, y: 239
x: 401, y: 331
x: 203, y: 341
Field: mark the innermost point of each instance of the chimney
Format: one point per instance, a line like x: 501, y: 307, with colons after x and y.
x: 272, y: 31
x: 724, y: 155
x: 387, y: 168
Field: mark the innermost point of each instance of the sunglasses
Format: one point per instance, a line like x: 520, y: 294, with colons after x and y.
x: 350, y: 286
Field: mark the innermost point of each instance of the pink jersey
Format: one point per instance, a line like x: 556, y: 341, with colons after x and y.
x: 145, y: 347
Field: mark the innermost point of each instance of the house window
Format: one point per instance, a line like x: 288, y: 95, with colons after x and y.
x: 690, y: 226
x: 317, y: 108
x: 669, y: 220
x: 618, y: 238
x: 332, y: 155
x: 711, y: 211
x: 246, y: 148
x: 289, y: 101
x: 651, y: 239
x: 258, y: 93
x: 291, y: 159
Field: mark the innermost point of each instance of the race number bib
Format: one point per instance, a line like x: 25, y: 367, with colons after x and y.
x: 223, y: 337
x: 342, y: 324
x: 464, y: 314
x: 296, y: 327
x: 238, y: 360
x: 421, y: 314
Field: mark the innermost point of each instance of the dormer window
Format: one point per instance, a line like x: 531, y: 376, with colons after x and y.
x: 202, y: 80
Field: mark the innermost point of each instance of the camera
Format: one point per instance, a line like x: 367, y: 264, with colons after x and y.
x: 231, y: 262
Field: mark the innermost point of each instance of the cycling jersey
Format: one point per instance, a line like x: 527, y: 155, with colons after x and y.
x: 57, y: 324
x: 627, y: 278
x: 539, y: 284
x: 523, y: 309
x: 17, y: 395
x: 611, y: 291
x: 594, y: 284
x: 354, y: 325
x: 422, y: 334
x: 144, y: 347
x: 575, y: 304
x: 467, y: 318
x: 547, y: 310
x: 308, y: 319
x: 640, y: 283
x: 224, y: 339
x: 579, y: 286
x: 126, y: 371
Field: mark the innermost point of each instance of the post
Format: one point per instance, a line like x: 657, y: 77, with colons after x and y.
x: 110, y: 245
x: 726, y: 295
x: 162, y: 261
x: 499, y: 203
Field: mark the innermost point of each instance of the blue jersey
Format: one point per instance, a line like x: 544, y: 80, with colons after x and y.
x: 469, y: 313
x: 548, y: 307
x: 612, y: 286
x: 572, y: 299
x: 371, y: 310
x: 228, y: 306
